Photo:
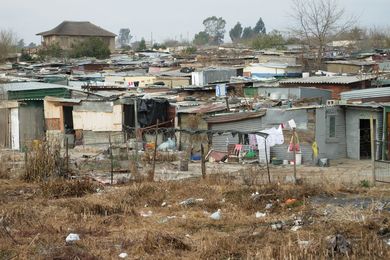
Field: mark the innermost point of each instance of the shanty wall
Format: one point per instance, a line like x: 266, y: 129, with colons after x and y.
x: 124, y: 80
x: 353, y: 116
x: 31, y: 122
x: 306, y: 127
x: 5, y: 134
x: 220, y: 142
x: 97, y: 116
x: 332, y: 148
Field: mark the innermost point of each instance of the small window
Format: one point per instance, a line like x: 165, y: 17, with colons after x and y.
x: 332, y: 126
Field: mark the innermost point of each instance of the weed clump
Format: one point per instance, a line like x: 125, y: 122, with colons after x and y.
x: 68, y: 188
x: 43, y: 161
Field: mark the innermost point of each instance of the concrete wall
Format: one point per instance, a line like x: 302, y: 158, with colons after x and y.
x: 353, y: 116
x: 66, y: 42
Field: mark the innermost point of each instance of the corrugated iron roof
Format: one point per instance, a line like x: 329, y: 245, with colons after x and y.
x: 366, y: 93
x: 329, y: 80
x: 203, y: 108
x: 234, y: 117
x: 22, y: 86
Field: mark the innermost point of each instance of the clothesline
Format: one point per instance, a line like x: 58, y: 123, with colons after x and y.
x: 197, y: 131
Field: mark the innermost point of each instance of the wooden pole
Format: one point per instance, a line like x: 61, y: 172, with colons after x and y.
x: 227, y: 103
x: 203, y: 161
x: 372, y: 137
x: 295, y: 156
x: 112, y: 159
x: 151, y: 177
x: 266, y: 160
x: 67, y: 155
x: 136, y: 138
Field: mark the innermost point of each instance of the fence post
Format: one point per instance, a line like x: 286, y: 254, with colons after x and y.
x: 151, y: 177
x: 295, y: 156
x: 266, y: 159
x: 373, y: 153
x: 111, y: 158
x: 67, y: 155
x: 203, y: 161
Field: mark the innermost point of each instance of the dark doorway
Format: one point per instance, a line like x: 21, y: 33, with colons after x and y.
x: 68, y: 120
x: 128, y: 115
x: 365, y: 139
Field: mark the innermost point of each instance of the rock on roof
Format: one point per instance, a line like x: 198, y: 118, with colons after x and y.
x: 70, y: 28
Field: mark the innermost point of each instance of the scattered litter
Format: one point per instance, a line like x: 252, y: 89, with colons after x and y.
x: 260, y: 214
x: 290, y: 201
x: 187, y: 202
x: 388, y: 242
x: 216, y: 215
x: 277, y: 226
x: 255, y: 196
x: 268, y: 206
x: 303, y: 243
x: 146, y: 214
x: 188, y: 235
x: 339, y: 244
x: 380, y: 206
x: 298, y: 222
x: 295, y: 228
x: 163, y: 204
x: 223, y: 200
x: 123, y: 255
x: 72, y: 237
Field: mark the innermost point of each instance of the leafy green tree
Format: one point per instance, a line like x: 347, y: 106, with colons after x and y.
x: 260, y: 27
x: 271, y: 40
x: 32, y: 45
x: 92, y: 47
x: 53, y: 50
x: 235, y: 32
x: 201, y: 38
x: 247, y: 33
x: 189, y: 50
x: 142, y: 45
x: 215, y: 28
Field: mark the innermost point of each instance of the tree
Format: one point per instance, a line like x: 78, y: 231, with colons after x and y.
x: 92, y: 47
x: 21, y: 44
x: 235, y: 32
x: 215, y: 28
x: 259, y: 27
x: 316, y: 21
x: 201, y: 38
x: 124, y: 37
x: 142, y: 45
x: 247, y: 33
x: 32, y: 45
x: 7, y: 44
x: 271, y: 40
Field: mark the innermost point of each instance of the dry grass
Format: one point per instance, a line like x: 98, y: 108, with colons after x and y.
x: 44, y: 161
x: 34, y: 224
x: 59, y: 188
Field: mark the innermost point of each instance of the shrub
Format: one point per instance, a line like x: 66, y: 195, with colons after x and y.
x: 92, y: 47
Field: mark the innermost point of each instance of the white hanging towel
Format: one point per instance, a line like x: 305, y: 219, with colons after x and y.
x: 261, y: 146
x: 279, y: 137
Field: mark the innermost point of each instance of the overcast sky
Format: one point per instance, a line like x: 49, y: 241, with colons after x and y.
x: 167, y: 19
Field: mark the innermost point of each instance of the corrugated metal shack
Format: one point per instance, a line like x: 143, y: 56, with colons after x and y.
x: 22, y: 111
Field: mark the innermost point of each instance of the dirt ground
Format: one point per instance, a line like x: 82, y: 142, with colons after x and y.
x: 333, y: 212
x: 171, y: 220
